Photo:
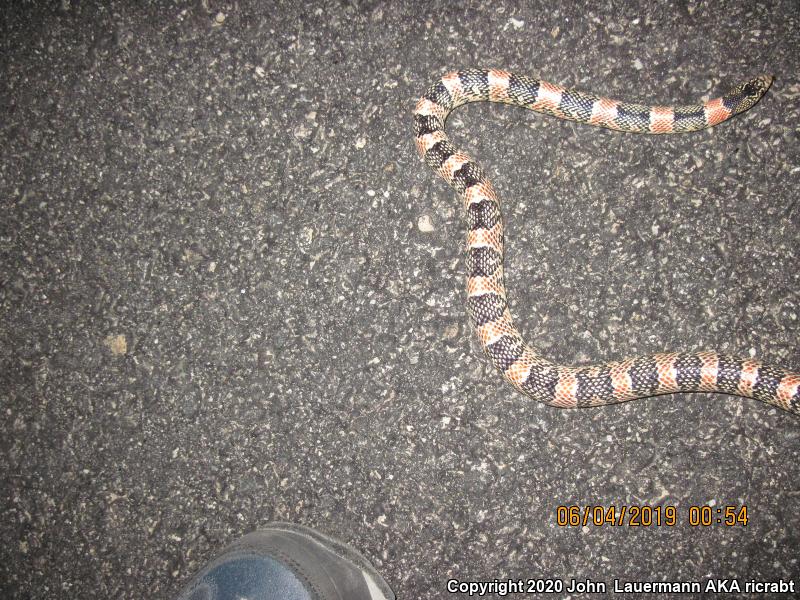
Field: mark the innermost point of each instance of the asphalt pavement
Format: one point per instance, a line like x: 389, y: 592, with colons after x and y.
x: 230, y: 293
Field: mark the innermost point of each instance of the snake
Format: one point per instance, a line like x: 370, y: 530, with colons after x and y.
x: 487, y: 303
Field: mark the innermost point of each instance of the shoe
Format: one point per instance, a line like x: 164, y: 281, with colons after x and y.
x: 288, y: 562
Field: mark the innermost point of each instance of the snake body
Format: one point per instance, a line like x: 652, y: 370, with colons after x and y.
x: 520, y: 363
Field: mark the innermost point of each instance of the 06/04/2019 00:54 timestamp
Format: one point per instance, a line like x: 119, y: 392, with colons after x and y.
x: 650, y: 516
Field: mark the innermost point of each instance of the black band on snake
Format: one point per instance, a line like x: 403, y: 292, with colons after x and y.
x: 521, y: 364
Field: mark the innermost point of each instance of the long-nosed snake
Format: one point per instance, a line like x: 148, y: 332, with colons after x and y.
x: 522, y: 366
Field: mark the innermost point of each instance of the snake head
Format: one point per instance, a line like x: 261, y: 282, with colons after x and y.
x: 742, y: 97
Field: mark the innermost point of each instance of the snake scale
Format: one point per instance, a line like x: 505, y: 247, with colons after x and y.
x: 520, y: 363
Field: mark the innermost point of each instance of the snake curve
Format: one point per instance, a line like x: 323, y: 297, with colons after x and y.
x: 520, y: 363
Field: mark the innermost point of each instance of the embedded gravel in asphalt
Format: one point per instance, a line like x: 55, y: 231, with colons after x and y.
x: 230, y: 293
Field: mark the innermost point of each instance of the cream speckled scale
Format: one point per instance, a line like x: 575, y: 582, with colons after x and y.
x: 519, y: 362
